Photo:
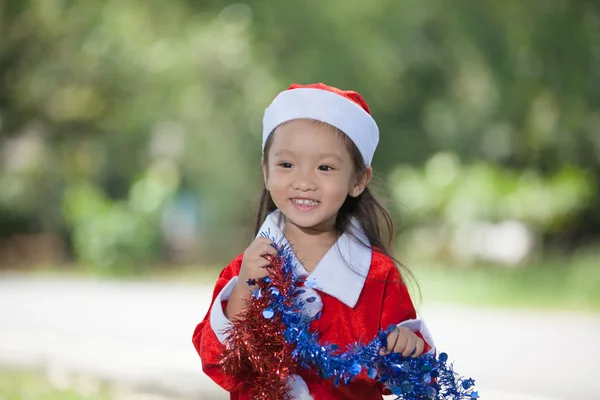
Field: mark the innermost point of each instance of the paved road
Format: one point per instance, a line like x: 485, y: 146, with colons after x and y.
x: 140, y: 332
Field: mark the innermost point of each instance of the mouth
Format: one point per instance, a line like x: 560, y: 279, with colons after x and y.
x: 304, y: 204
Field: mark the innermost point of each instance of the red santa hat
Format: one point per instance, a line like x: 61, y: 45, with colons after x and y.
x: 344, y: 109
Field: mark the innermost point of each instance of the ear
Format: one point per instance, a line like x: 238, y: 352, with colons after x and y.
x: 265, y: 172
x: 361, y: 182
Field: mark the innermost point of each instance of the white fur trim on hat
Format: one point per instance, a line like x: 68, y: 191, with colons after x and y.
x: 328, y: 107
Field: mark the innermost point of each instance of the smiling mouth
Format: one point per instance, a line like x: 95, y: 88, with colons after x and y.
x: 305, y: 202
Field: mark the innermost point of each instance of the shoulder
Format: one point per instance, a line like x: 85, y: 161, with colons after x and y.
x: 382, y: 266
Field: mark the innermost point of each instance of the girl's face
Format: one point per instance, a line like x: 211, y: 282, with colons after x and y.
x: 310, y: 173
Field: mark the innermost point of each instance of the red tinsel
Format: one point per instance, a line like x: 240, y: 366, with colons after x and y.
x: 255, y: 347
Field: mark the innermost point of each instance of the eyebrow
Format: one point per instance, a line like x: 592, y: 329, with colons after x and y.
x: 331, y: 155
x: 322, y: 155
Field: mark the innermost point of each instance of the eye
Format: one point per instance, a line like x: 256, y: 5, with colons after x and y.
x: 325, y: 168
x: 285, y: 165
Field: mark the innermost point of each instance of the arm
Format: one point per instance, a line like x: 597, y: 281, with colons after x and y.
x: 208, y: 336
x: 394, y: 307
x: 230, y: 293
x: 398, y: 309
x: 256, y: 257
x: 240, y: 293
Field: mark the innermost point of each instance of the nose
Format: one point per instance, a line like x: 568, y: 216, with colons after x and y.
x: 304, y: 181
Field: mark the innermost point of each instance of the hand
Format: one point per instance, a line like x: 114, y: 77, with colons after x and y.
x: 256, y: 257
x: 403, y: 340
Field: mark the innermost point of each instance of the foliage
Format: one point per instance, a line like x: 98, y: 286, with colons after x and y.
x: 95, y: 94
x: 110, y: 234
x: 453, y: 193
x: 482, y: 202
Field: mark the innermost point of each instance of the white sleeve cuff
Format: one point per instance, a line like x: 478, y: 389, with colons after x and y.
x: 298, y: 388
x: 218, y: 320
x: 418, y: 325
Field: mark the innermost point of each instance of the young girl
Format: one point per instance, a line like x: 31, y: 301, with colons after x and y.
x: 318, y: 144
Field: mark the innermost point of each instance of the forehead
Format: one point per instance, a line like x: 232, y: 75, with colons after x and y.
x: 306, y: 136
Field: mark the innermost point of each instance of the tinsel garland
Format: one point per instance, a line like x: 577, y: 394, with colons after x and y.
x: 270, y: 341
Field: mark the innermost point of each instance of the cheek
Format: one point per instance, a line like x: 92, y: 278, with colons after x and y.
x: 276, y: 182
x: 340, y: 189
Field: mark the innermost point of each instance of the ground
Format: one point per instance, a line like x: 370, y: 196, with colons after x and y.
x: 139, y: 333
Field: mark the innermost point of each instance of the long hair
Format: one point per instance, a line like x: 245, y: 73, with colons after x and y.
x: 375, y: 221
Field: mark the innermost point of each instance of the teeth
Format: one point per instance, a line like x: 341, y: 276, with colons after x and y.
x: 305, y: 202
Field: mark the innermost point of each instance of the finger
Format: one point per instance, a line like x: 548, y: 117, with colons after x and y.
x: 419, y: 348
x: 269, y: 254
x: 401, y: 342
x: 262, y: 261
x: 410, y: 345
x: 264, y: 240
x: 392, y: 341
x: 260, y: 249
x: 269, y: 249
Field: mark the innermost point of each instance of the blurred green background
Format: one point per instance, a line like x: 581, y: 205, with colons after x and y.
x: 130, y: 139
x: 130, y: 134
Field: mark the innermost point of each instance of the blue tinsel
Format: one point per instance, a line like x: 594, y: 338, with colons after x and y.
x: 424, y: 377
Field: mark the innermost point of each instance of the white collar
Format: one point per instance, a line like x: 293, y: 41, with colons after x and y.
x: 332, y: 275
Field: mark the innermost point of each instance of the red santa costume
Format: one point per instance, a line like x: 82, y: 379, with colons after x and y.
x: 356, y: 289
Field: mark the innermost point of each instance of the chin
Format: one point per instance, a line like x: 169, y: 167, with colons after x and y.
x: 306, y: 221
x: 303, y: 221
